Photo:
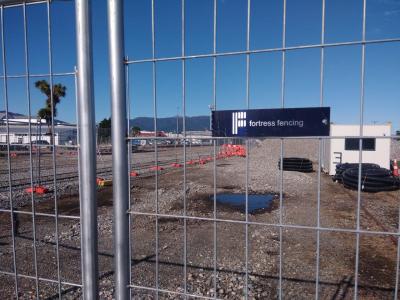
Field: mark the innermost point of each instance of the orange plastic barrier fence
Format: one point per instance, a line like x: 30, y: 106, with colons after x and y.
x: 156, y: 168
x: 37, y: 190
x: 228, y: 150
x: 176, y: 165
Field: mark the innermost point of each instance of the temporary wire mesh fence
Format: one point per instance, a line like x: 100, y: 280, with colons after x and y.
x: 38, y: 154
x: 156, y: 215
x: 127, y: 230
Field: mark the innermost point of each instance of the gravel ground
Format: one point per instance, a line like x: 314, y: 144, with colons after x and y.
x: 338, y: 209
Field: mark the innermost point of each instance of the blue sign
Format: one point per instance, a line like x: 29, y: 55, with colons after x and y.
x: 285, y: 122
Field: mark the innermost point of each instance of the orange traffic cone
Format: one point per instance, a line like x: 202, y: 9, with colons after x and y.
x: 395, y: 168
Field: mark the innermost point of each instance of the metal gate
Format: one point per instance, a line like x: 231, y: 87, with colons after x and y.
x: 152, y: 258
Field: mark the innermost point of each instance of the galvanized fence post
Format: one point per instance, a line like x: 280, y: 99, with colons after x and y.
x: 119, y: 148
x: 87, y: 150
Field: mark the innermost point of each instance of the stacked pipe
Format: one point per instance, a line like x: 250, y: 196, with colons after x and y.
x: 372, y: 179
x: 296, y: 164
x: 340, y: 168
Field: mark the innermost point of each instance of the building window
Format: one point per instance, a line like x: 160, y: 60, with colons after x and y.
x: 352, y: 144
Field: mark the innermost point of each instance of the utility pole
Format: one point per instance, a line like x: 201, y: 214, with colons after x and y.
x: 211, y: 107
x: 177, y: 121
x: 38, y: 146
x: 177, y: 130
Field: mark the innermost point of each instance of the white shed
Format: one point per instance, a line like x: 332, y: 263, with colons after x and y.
x: 346, y: 150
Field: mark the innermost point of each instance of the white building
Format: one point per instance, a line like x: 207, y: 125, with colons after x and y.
x: 18, y: 126
x: 195, y: 137
x: 346, y: 150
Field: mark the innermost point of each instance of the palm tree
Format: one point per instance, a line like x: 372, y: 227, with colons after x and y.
x: 46, y: 112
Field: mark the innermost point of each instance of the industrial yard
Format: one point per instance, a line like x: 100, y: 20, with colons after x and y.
x: 189, y: 191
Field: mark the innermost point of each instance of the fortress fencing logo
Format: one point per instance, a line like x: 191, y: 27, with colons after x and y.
x: 238, y: 121
x: 273, y: 122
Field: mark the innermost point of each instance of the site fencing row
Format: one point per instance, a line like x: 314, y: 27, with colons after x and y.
x: 122, y: 139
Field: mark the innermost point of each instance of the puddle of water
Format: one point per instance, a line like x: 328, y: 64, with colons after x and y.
x: 256, y: 202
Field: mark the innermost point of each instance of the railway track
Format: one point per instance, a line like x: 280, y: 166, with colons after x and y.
x: 143, y: 168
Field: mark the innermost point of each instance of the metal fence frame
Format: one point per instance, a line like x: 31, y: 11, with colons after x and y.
x: 122, y: 212
x: 83, y: 75
x: 87, y: 149
x: 119, y: 74
x: 120, y: 156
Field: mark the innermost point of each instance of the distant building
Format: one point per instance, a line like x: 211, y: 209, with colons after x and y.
x: 191, y: 134
x: 147, y: 134
x: 144, y: 133
x: 345, y: 149
x: 197, y: 137
x: 18, y: 126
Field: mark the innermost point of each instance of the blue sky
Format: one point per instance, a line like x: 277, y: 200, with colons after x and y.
x: 342, y: 64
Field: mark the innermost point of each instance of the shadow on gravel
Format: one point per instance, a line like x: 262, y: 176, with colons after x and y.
x: 342, y: 287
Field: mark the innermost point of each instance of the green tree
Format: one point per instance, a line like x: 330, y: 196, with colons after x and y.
x: 135, y: 131
x: 105, y: 123
x: 104, y: 130
x: 50, y: 109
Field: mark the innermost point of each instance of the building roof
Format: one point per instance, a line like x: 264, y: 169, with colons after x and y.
x: 20, y: 119
x: 35, y: 130
x: 144, y: 133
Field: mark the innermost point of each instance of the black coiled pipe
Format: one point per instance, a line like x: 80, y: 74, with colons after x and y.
x: 296, y: 164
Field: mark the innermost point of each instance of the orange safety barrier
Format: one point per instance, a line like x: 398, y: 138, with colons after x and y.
x: 99, y: 180
x: 134, y: 174
x: 37, y: 189
x: 156, y: 168
x: 176, y: 165
x: 41, y: 190
x: 191, y: 162
x: 395, y: 168
x: 228, y: 150
x: 29, y: 190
